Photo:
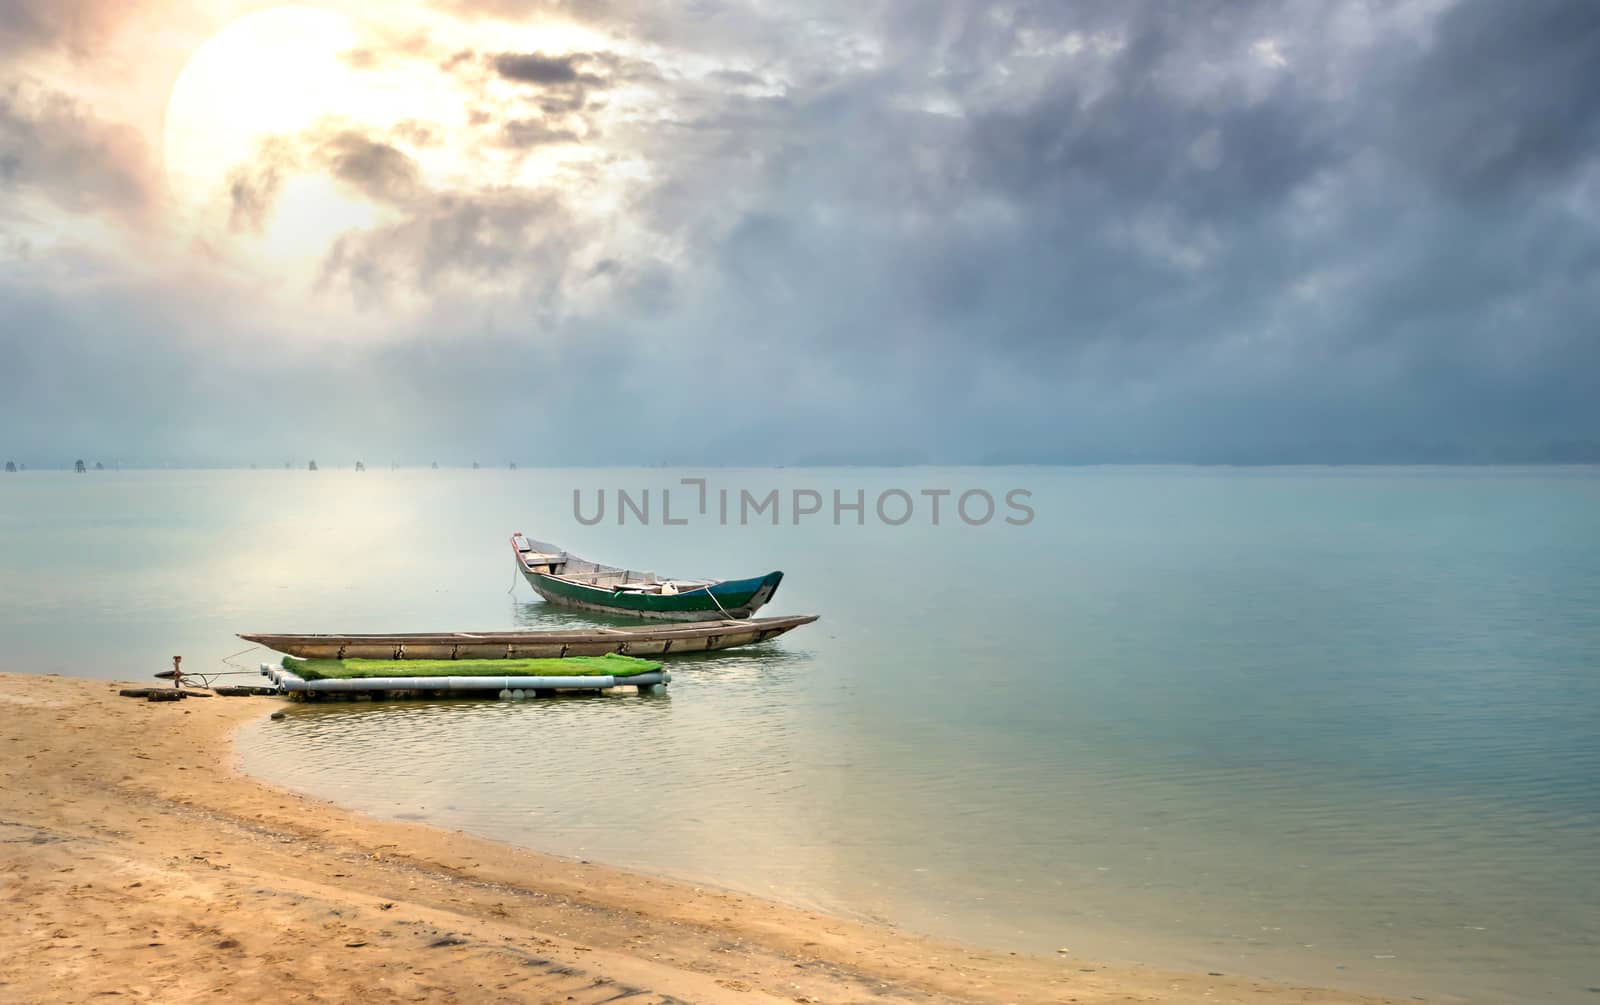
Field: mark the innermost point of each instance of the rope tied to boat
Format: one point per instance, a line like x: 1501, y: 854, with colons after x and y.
x: 228, y: 659
x: 714, y: 600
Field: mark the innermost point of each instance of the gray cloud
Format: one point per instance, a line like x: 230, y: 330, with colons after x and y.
x: 76, y: 26
x: 53, y: 145
x: 449, y: 238
x: 253, y: 188
x: 374, y: 168
x: 537, y: 68
x: 1503, y: 98
x: 561, y: 84
x: 535, y: 132
x: 1154, y: 231
x: 418, y: 134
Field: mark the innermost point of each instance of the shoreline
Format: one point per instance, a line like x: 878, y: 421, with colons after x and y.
x: 137, y: 862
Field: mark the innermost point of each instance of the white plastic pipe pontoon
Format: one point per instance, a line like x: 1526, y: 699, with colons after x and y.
x: 290, y: 681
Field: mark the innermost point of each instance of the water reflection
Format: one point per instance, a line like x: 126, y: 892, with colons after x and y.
x: 540, y: 616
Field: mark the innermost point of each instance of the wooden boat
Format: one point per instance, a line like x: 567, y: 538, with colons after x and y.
x: 566, y: 580
x: 634, y: 640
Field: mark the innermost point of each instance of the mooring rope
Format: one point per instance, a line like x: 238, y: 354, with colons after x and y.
x: 228, y: 659
x: 714, y: 600
x: 198, y: 678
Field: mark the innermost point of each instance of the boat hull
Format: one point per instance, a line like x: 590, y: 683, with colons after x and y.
x: 733, y: 598
x: 646, y: 640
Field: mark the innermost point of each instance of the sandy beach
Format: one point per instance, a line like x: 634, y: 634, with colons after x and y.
x: 136, y: 864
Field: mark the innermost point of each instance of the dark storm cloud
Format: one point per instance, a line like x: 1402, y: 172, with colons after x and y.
x: 1238, y: 245
x: 1505, y: 97
x: 1178, y: 106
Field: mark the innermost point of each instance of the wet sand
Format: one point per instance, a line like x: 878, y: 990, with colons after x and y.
x: 137, y: 864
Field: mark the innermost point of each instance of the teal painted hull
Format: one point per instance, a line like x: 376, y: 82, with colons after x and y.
x: 567, y: 580
x: 728, y: 599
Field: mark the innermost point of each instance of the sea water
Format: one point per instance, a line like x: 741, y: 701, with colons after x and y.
x: 1336, y: 726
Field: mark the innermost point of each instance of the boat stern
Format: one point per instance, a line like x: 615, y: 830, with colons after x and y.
x: 535, y: 557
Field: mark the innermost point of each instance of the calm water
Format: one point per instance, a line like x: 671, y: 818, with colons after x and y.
x: 1340, y: 727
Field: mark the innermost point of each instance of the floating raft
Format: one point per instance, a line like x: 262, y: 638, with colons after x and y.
x: 610, y: 665
x: 519, y: 679
x: 634, y: 640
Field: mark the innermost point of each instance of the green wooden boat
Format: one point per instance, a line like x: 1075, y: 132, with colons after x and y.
x: 566, y: 580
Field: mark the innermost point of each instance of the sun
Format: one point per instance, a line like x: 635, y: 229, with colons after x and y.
x: 257, y: 117
x: 272, y: 75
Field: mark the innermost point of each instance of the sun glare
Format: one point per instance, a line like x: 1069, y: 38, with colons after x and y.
x: 273, y: 73
x: 257, y: 108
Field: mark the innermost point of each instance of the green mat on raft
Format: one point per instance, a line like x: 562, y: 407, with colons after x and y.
x: 609, y: 665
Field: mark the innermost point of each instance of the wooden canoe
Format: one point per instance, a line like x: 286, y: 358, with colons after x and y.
x: 566, y: 580
x: 640, y: 640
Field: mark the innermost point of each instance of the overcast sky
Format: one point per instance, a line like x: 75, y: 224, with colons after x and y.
x: 783, y: 232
